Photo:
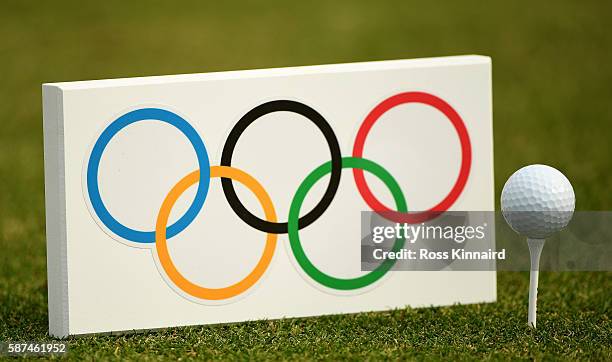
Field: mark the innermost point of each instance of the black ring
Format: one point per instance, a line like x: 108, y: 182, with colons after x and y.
x: 336, y: 163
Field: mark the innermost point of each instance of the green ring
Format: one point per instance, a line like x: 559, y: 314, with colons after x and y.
x: 294, y: 214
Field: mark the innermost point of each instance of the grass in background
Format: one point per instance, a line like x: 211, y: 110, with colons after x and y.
x: 551, y: 105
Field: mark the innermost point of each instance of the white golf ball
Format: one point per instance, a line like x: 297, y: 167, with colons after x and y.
x: 537, y: 201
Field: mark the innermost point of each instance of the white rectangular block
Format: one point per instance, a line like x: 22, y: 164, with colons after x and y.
x: 142, y: 234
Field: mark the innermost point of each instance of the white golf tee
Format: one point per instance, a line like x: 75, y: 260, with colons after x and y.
x: 535, y: 250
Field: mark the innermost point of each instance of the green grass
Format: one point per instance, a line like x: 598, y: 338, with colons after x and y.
x: 573, y: 323
x: 552, y: 95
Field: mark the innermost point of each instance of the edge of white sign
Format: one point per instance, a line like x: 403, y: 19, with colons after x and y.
x: 271, y: 72
x: 55, y: 206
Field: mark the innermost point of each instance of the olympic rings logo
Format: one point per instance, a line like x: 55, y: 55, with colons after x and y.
x: 271, y: 226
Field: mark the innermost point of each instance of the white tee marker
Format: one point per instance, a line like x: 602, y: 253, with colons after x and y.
x: 536, y: 202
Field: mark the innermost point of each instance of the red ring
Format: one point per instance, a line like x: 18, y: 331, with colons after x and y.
x: 466, y: 156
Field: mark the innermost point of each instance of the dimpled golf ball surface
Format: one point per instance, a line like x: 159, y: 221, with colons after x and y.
x: 537, y: 201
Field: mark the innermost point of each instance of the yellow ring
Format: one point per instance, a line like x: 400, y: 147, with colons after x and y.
x: 161, y: 243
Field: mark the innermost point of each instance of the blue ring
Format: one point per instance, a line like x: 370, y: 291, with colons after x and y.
x: 94, y: 163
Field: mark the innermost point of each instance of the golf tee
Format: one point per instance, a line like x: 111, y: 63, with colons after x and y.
x: 535, y: 250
